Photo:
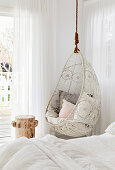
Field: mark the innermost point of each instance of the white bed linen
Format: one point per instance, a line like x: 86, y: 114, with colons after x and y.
x: 51, y: 153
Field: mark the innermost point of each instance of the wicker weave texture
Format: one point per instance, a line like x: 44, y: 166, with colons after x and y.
x: 78, y: 77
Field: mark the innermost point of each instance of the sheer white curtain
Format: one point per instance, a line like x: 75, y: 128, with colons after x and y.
x: 99, y: 48
x: 34, y: 59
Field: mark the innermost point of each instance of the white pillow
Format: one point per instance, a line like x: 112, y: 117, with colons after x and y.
x: 66, y: 109
x: 111, y: 129
x: 86, y: 110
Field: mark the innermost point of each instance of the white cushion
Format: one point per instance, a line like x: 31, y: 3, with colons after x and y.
x: 53, y: 117
x: 86, y: 110
x: 111, y: 129
x: 55, y: 121
x: 51, y: 114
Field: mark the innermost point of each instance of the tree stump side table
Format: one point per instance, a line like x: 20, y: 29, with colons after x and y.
x: 25, y: 126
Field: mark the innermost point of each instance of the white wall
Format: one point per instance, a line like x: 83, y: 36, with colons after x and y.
x: 65, y: 33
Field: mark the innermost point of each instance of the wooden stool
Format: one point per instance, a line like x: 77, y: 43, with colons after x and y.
x: 25, y: 126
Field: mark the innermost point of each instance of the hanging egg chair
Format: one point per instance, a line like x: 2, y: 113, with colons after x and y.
x: 78, y: 84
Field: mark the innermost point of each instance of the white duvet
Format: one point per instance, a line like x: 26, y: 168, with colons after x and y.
x: 51, y: 153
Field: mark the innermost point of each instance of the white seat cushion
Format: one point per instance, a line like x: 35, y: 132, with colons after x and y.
x: 51, y: 114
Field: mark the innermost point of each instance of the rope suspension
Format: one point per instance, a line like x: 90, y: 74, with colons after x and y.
x: 76, y: 34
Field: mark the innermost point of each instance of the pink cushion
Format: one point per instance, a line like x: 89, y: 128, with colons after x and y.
x: 67, y: 108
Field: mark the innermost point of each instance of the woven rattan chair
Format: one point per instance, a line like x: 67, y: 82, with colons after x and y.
x: 78, y: 77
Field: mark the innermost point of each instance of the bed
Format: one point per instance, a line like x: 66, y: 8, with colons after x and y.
x: 52, y: 153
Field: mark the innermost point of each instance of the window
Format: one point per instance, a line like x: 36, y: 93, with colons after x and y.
x: 6, y: 55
